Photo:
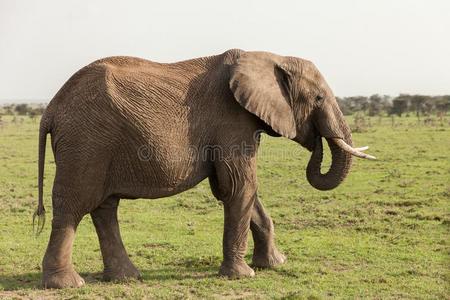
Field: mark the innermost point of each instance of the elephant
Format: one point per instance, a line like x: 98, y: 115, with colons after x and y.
x: 128, y: 128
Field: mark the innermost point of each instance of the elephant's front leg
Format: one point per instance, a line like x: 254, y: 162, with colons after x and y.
x: 237, y: 223
x: 265, y: 253
x: 238, y: 189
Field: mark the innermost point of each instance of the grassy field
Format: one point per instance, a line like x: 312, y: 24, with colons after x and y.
x: 382, y: 234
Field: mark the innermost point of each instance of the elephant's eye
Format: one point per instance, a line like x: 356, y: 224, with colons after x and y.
x: 319, y: 98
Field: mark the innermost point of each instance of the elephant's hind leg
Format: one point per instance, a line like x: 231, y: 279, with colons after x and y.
x: 265, y: 254
x: 117, y: 264
x: 58, y: 271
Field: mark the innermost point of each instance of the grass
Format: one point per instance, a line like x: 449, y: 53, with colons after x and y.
x: 382, y: 234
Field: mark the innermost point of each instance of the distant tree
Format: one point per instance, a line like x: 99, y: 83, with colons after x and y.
x: 357, y: 103
x: 386, y: 103
x: 399, y: 105
x: 22, y: 109
x: 344, y: 106
x: 443, y: 104
x: 375, y: 105
x: 8, y: 109
x: 418, y: 103
x: 38, y: 110
x: 32, y: 114
x: 428, y: 105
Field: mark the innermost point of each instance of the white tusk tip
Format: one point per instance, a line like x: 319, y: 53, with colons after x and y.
x: 362, y: 148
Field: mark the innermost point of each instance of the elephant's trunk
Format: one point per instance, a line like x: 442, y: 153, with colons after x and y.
x: 340, y: 165
x: 332, y: 125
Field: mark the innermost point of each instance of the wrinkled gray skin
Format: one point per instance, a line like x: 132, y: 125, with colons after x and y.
x: 125, y: 127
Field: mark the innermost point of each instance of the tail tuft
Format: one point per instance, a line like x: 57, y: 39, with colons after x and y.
x: 40, y: 214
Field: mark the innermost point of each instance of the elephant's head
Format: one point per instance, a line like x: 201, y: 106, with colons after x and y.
x: 290, y: 95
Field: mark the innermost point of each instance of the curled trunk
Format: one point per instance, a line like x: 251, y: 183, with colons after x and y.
x: 340, y: 166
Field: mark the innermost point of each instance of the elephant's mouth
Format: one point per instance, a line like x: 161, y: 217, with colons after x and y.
x: 339, y: 141
x: 309, y: 145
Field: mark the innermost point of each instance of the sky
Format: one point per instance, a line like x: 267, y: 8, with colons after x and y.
x: 361, y: 47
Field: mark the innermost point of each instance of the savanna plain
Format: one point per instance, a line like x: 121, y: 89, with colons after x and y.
x: 382, y: 234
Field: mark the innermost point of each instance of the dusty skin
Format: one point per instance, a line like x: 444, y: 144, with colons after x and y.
x: 109, y: 111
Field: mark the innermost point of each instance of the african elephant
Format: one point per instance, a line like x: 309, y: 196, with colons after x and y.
x: 125, y: 127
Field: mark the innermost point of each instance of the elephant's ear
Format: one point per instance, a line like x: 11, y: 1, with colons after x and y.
x: 259, y: 83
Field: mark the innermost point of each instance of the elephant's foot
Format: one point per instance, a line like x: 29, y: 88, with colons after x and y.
x: 268, y: 259
x: 236, y: 270
x: 62, y: 279
x: 121, y: 272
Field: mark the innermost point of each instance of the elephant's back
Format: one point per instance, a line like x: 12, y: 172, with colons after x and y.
x: 130, y: 87
x: 120, y: 107
x: 106, y: 91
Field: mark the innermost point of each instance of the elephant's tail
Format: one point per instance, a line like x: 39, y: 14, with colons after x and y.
x: 40, y: 211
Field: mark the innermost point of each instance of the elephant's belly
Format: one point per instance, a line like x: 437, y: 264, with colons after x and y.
x: 154, y: 192
x: 159, y: 178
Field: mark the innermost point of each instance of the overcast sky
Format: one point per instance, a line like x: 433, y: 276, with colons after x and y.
x: 362, y: 47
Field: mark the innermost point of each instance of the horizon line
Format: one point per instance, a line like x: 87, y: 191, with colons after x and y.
x: 42, y: 101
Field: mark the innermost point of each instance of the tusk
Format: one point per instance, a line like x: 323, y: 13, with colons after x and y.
x: 362, y: 148
x: 353, y: 151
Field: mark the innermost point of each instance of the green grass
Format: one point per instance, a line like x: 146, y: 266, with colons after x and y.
x: 384, y: 233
